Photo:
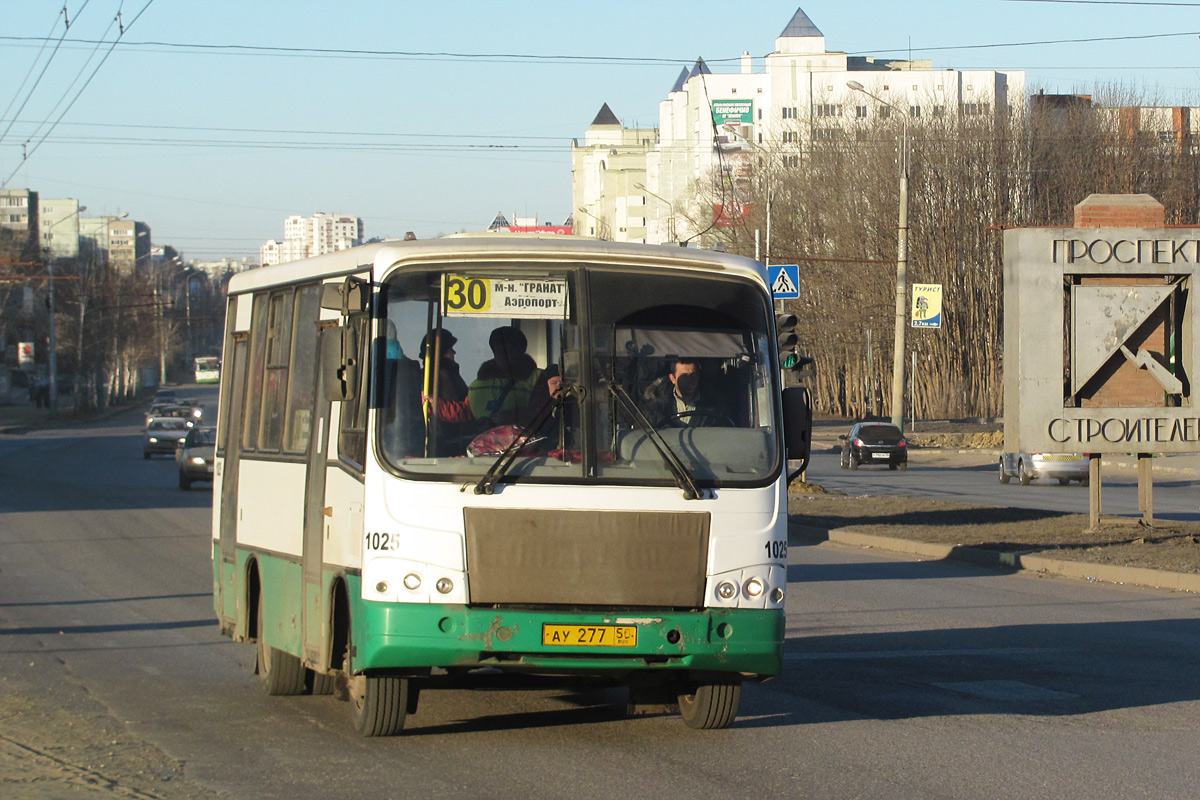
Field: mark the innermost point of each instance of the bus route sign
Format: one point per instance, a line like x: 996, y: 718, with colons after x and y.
x: 472, y: 296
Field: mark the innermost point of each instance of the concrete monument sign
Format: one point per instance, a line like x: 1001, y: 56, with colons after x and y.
x: 1100, y: 350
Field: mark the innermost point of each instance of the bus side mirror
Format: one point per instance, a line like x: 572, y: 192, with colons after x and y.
x: 797, y: 424
x: 339, y: 363
x: 348, y: 297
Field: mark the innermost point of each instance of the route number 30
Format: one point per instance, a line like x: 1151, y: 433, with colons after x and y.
x: 467, y: 294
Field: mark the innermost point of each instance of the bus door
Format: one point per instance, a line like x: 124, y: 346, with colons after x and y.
x: 233, y: 414
x: 314, y: 614
x: 340, y: 372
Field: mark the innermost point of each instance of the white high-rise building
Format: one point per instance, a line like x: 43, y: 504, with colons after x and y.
x: 58, y: 223
x: 713, y: 124
x: 305, y: 237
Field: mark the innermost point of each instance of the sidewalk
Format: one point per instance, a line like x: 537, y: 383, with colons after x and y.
x: 21, y: 416
x: 1107, y: 573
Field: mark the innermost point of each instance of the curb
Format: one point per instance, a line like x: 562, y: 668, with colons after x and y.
x: 1107, y: 573
x: 20, y: 429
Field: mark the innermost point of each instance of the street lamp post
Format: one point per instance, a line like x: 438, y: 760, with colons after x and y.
x: 602, y: 229
x: 52, y: 356
x: 670, y: 207
x: 901, y: 265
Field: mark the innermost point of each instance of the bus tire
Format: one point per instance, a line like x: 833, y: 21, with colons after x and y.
x: 320, y: 682
x: 378, y: 705
x: 281, y: 673
x: 710, y: 705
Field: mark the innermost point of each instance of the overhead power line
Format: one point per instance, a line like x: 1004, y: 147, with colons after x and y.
x: 86, y: 83
x: 1109, y: 3
x: 1035, y: 43
x: 439, y: 55
x: 46, y: 66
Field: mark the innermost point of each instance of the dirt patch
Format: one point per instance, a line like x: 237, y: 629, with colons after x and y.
x: 51, y: 752
x: 1170, y: 546
x: 980, y: 439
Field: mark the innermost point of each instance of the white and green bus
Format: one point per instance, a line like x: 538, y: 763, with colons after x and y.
x: 207, y: 369
x: 440, y: 461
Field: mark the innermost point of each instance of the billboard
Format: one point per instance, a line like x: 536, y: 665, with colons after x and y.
x: 736, y: 112
x: 926, y: 305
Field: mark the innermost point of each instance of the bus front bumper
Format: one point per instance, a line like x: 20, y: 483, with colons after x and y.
x: 402, y: 636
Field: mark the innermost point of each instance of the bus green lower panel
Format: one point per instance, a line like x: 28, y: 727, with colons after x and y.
x: 402, y: 635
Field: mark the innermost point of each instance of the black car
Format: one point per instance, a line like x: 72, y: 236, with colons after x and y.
x: 874, y: 444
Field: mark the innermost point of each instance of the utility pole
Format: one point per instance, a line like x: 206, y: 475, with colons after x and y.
x: 52, y: 356
x: 901, y: 263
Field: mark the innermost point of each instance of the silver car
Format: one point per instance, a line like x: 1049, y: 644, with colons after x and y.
x: 1027, y: 467
x: 196, y: 456
x: 162, y: 435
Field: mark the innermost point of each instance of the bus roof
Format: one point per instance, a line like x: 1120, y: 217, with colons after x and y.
x: 382, y: 256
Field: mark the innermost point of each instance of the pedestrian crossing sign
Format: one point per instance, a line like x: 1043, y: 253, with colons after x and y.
x: 785, y: 280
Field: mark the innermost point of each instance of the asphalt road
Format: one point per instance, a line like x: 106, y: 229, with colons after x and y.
x: 903, y: 679
x: 973, y: 478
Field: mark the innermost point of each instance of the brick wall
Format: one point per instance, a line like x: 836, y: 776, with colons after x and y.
x: 1120, y: 211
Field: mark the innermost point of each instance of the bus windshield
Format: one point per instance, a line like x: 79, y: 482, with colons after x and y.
x: 602, y: 374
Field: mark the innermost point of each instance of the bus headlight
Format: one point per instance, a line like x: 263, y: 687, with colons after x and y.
x: 445, y: 585
x: 726, y: 590
x: 412, y: 581
x: 754, y: 588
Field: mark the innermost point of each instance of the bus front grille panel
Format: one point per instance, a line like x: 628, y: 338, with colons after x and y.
x: 560, y: 557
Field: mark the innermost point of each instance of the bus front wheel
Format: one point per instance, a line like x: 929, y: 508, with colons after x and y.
x: 710, y: 705
x: 378, y: 706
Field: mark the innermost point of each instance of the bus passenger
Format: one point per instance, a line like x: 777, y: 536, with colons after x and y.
x: 452, y: 405
x: 502, y: 389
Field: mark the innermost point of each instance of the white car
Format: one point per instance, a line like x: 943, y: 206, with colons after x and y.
x: 1028, y: 467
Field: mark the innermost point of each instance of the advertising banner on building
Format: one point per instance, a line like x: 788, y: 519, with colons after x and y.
x: 927, y: 305
x: 737, y: 112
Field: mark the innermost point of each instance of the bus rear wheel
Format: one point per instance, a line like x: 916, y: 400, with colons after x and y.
x: 281, y: 673
x: 378, y: 705
x: 710, y: 705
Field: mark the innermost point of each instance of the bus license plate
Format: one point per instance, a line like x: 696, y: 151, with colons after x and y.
x: 590, y: 635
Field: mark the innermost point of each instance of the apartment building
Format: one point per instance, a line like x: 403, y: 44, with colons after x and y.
x: 304, y: 237
x: 608, y: 176
x: 19, y: 223
x: 716, y: 126
x: 58, y: 226
x: 128, y: 244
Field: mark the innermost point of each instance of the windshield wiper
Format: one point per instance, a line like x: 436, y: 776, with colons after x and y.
x: 683, y: 478
x: 506, y: 458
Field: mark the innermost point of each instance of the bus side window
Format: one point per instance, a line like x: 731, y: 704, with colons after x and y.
x: 403, y: 425
x: 352, y: 439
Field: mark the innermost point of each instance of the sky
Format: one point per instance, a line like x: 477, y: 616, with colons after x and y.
x: 214, y: 120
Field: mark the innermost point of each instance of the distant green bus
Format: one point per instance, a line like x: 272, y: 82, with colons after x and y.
x: 208, y: 369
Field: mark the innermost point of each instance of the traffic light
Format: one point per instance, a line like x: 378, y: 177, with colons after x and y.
x: 786, y: 340
x: 785, y: 332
